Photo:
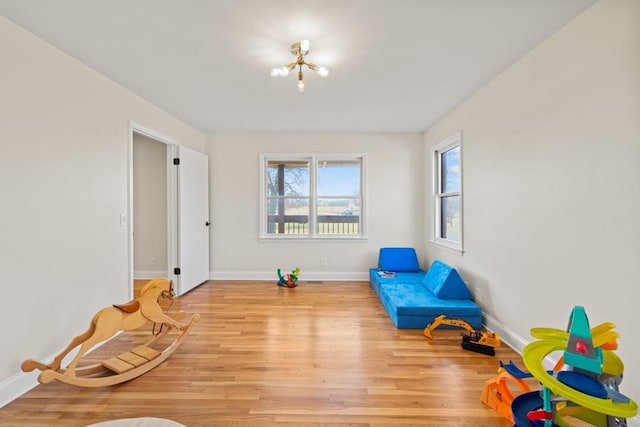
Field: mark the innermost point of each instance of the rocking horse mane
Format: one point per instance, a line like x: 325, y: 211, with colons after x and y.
x: 159, y: 282
x: 134, y: 305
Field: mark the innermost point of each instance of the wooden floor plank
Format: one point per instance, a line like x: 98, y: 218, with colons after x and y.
x: 262, y: 355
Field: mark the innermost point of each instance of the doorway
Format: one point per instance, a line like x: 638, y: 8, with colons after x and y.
x: 168, y: 210
x: 150, y: 237
x: 152, y: 206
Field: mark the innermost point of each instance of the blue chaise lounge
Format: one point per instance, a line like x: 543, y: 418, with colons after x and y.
x: 413, y: 297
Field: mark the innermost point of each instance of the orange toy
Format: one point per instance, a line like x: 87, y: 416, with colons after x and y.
x: 497, y: 395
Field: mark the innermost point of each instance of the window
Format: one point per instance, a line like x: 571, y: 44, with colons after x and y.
x: 312, y: 196
x: 447, y: 193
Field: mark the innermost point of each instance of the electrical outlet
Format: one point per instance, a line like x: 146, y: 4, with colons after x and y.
x: 478, y: 294
x: 323, y: 263
x: 123, y: 220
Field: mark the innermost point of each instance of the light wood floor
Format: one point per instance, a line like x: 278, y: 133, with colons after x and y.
x: 319, y: 354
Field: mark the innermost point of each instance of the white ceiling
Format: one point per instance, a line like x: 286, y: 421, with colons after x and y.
x: 396, y: 65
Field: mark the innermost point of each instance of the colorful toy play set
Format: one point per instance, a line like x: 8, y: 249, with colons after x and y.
x: 583, y: 385
x: 290, y: 280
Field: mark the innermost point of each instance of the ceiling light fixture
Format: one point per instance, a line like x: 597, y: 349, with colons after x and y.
x: 299, y: 50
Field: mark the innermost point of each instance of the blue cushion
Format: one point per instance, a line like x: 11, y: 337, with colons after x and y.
x: 444, y: 282
x: 398, y: 277
x: 398, y: 259
x: 413, y: 277
x: 412, y: 306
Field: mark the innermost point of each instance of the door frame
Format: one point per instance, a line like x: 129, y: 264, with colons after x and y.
x: 172, y: 201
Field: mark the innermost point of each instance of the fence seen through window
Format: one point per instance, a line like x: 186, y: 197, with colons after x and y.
x: 295, y: 206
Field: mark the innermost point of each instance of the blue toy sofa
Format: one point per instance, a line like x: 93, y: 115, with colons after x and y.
x: 413, y: 297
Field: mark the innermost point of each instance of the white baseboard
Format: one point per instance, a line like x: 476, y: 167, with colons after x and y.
x: 16, y: 386
x: 304, y: 276
x: 507, y: 335
x: 149, y: 274
x: 512, y: 339
x: 265, y: 275
x: 20, y: 383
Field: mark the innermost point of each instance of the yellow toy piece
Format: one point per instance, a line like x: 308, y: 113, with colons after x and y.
x: 474, y: 340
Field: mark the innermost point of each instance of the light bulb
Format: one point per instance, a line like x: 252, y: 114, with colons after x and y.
x: 323, y: 71
x: 304, y: 46
x: 280, y: 71
x: 300, y: 86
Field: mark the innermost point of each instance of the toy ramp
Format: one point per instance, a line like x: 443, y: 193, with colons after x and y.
x: 497, y: 395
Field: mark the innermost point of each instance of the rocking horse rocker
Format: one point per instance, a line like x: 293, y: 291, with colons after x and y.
x: 105, y: 324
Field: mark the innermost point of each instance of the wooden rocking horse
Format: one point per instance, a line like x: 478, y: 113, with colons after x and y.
x: 105, y: 324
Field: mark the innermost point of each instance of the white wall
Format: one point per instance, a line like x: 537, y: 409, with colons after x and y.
x: 65, y: 135
x: 149, y: 208
x: 394, y: 204
x: 552, y: 182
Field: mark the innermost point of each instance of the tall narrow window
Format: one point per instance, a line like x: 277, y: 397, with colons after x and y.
x: 339, y: 197
x: 287, y: 197
x: 312, y: 196
x: 447, y: 194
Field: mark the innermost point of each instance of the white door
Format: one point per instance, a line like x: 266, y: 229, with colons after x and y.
x: 193, y: 219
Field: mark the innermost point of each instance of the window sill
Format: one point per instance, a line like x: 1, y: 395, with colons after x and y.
x: 306, y: 239
x: 456, y: 249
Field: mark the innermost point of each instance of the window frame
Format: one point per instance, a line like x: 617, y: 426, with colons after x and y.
x: 437, y: 150
x: 313, y: 159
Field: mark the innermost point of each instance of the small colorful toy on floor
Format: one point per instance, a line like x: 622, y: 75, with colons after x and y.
x: 290, y: 280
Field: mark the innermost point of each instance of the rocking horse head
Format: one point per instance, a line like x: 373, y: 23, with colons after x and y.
x: 157, y: 287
